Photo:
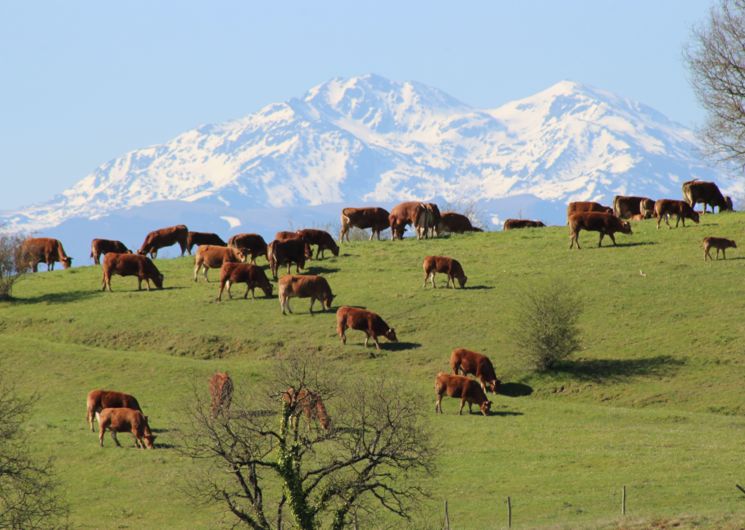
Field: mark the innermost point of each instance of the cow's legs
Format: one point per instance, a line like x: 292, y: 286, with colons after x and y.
x: 196, y: 270
x: 375, y: 340
x: 101, y: 432
x: 706, y: 253
x: 724, y: 253
x: 462, y: 403
x: 438, y: 404
x: 204, y: 267
x: 312, y: 300
x: 342, y: 331
x: 139, y: 284
x: 137, y: 441
x: 600, y: 241
x: 113, y: 436
x: 426, y: 277
x: 147, y: 283
x: 432, y: 278
x: 612, y: 238
x: 470, y: 410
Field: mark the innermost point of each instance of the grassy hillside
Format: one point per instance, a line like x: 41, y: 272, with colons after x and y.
x: 653, y: 402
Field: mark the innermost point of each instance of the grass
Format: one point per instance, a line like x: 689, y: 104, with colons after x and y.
x: 653, y: 402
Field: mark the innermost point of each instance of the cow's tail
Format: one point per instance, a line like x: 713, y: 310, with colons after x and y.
x: 687, y: 195
x: 344, y: 225
x: 616, y: 206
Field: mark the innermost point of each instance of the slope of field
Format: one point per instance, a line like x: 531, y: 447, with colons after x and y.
x: 653, y: 402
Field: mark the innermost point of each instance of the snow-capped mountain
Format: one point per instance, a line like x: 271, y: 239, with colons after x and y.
x: 368, y: 139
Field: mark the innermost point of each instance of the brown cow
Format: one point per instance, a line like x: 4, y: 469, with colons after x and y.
x: 696, y: 191
x: 100, y: 247
x: 363, y: 320
x: 288, y: 252
x: 586, y: 206
x: 252, y: 275
x: 470, y: 362
x: 455, y: 223
x: 212, y: 257
x: 718, y: 243
x: 427, y: 220
x: 35, y: 250
x: 680, y: 209
x: 513, y: 224
x: 458, y: 386
x: 402, y: 215
x: 126, y: 420
x: 221, y: 393
x: 309, y: 403
x: 251, y: 244
x: 374, y: 218
x: 130, y: 265
x: 98, y: 400
x: 605, y: 223
x: 164, y: 237
x: 646, y: 208
x: 627, y: 206
x: 296, y: 286
x: 449, y: 266
x: 285, y: 235
x: 203, y: 238
x: 323, y: 239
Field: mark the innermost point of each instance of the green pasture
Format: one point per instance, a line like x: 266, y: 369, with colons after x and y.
x: 653, y: 402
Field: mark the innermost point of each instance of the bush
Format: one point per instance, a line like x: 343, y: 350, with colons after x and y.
x: 546, y: 328
x: 10, y: 263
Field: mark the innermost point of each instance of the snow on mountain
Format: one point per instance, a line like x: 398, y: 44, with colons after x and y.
x: 368, y: 139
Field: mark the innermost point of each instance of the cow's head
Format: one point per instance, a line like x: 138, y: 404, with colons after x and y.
x: 625, y: 227
x: 142, y: 252
x: 694, y: 216
x: 462, y: 280
x: 246, y: 253
x: 307, y: 251
x: 493, y: 385
x: 149, y: 440
x: 334, y: 248
x: 66, y: 262
x: 158, y: 280
x: 391, y: 335
x: 485, y: 407
x: 267, y: 288
x: 327, y: 301
x: 732, y: 243
x: 728, y: 203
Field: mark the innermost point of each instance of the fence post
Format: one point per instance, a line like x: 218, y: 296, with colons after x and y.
x: 623, y: 500
x: 447, y: 516
x: 509, y: 512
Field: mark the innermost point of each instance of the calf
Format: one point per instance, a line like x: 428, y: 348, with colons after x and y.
x: 98, y: 400
x: 100, y: 247
x: 646, y: 208
x: 605, y: 223
x: 627, y: 206
x: 313, y: 287
x: 203, y: 238
x: 680, y: 209
x: 35, y: 250
x: 287, y: 252
x: 455, y: 223
x: 221, y: 393
x: 374, y: 218
x: 718, y: 243
x: 309, y: 403
x: 402, y: 215
x: 449, y: 266
x: 363, y: 320
x: 323, y: 239
x: 251, y: 244
x: 130, y: 265
x: 251, y: 275
x: 470, y: 362
x: 125, y: 420
x: 458, y: 386
x: 212, y: 257
x: 512, y: 224
x: 164, y: 237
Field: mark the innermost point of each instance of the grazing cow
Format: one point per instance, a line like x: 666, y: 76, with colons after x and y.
x: 308, y: 403
x: 470, y: 362
x: 718, y: 243
x: 100, y: 247
x: 288, y: 252
x: 363, y: 320
x: 98, y: 400
x: 455, y: 223
x: 646, y: 208
x: 130, y: 265
x: 323, y: 239
x: 203, y: 238
x: 313, y: 287
x: 427, y: 220
x: 213, y: 256
x: 35, y: 250
x: 605, y: 223
x: 252, y: 275
x: 449, y: 266
x: 696, y: 191
x: 458, y: 386
x: 284, y: 235
x: 251, y: 244
x: 402, y: 215
x: 164, y: 237
x: 680, y: 209
x: 587, y: 206
x: 374, y: 218
x: 221, y: 393
x: 125, y: 420
x: 627, y: 206
x: 512, y: 224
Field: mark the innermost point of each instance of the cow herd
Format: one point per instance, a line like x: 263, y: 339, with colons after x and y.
x: 236, y: 262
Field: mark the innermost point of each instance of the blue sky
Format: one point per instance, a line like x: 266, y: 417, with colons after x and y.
x: 84, y: 82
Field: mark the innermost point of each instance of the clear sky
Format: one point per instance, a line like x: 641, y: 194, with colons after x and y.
x: 84, y: 82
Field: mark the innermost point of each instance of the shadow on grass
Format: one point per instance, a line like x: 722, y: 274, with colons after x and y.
x: 599, y: 370
x: 159, y: 445
x: 515, y: 390
x: 57, y: 298
x: 626, y: 244
x: 479, y: 287
x: 504, y: 413
x: 399, y: 346
x: 321, y: 270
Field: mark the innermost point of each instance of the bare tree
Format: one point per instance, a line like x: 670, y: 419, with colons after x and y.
x: 367, y: 461
x: 716, y: 59
x: 28, y: 492
x: 11, y: 267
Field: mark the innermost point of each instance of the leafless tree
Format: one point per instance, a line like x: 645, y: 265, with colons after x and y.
x: 11, y: 267
x: 28, y: 491
x: 716, y: 59
x: 368, y: 461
